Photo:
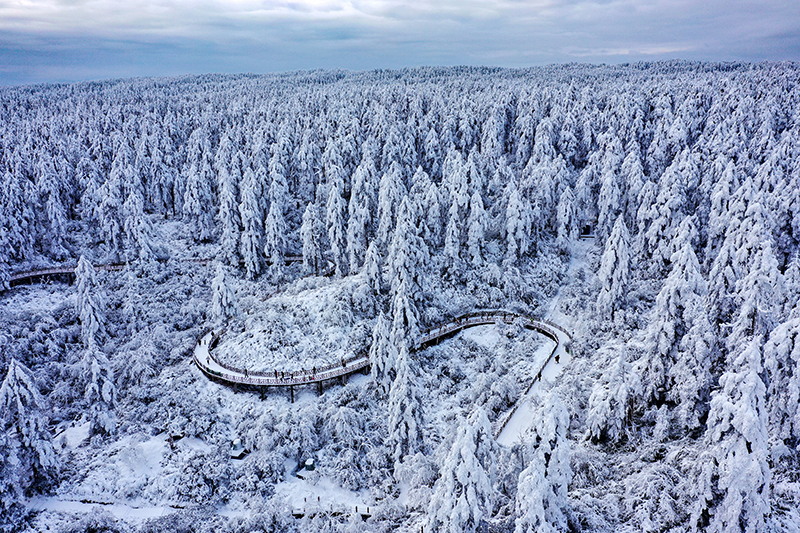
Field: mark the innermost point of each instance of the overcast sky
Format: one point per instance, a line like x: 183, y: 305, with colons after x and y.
x: 70, y: 40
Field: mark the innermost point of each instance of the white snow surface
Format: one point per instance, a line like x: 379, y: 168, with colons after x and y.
x: 318, y: 492
x: 75, y: 435
x: 120, y: 511
x: 293, y: 331
x: 486, y: 335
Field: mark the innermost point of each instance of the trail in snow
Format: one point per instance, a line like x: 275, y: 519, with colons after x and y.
x: 120, y: 511
x: 520, y: 421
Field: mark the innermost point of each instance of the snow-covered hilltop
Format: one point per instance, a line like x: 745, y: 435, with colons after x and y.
x: 651, y: 210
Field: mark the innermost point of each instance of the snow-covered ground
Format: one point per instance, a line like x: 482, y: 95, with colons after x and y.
x: 296, y: 330
x: 318, y: 492
x: 120, y: 511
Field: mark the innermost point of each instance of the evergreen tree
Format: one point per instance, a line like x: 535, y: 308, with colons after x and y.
x: 335, y: 222
x: 138, y: 229
x: 407, y: 252
x: 49, y: 183
x: 782, y: 362
x: 372, y: 269
x: 27, y: 459
x: 309, y: 234
x: 405, y: 418
x: 477, y: 223
x: 669, y: 367
x: 614, y: 271
x: 432, y: 220
x: 252, y: 224
x: 223, y: 300
x: 197, y: 197
x: 452, y: 240
x: 566, y: 220
x: 360, y: 214
x: 542, y: 487
x: 517, y: 227
x: 89, y: 305
x: 382, y: 355
x: 737, y: 439
x: 610, y: 401
x: 463, y: 495
x: 391, y: 191
x: 5, y: 257
x: 229, y: 215
x: 99, y: 391
x: 110, y: 213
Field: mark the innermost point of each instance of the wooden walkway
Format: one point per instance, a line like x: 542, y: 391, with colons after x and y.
x: 216, y: 369
x: 29, y: 276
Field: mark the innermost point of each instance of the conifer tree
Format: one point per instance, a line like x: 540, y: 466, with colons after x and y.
x: 614, y: 271
x: 405, y: 418
x: 463, y: 495
x: 309, y: 234
x: 197, y: 198
x: 477, y: 229
x: 89, y: 305
x: 223, y: 300
x: 228, y: 215
x: 566, y: 220
x: 382, y: 355
x: 335, y: 222
x: 542, y: 487
x: 782, y: 362
x: 737, y: 439
x: 372, y: 268
x: 138, y: 229
x: 671, y: 368
x: 360, y: 214
x: 517, y: 227
x: 27, y: 458
x: 252, y: 224
x: 99, y: 391
x: 391, y: 192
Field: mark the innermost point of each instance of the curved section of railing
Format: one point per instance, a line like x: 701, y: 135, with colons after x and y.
x: 23, y: 276
x: 214, y: 368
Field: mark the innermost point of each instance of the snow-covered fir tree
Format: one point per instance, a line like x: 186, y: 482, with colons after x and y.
x: 542, y: 490
x: 89, y: 305
x: 614, y: 271
x: 309, y: 234
x: 223, y: 297
x: 463, y: 495
x: 28, y: 460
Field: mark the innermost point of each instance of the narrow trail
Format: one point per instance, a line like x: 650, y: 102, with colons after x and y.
x: 519, y: 419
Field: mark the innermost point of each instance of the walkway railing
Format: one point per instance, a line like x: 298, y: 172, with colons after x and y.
x: 17, y: 278
x: 356, y: 362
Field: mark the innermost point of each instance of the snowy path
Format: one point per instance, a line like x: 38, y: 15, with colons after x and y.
x: 512, y: 426
x: 519, y: 420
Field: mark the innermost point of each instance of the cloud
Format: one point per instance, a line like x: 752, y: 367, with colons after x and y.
x: 40, y: 39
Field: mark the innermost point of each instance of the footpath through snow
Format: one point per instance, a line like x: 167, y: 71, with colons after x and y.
x: 520, y: 419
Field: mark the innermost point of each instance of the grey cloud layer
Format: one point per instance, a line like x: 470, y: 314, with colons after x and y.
x: 58, y: 39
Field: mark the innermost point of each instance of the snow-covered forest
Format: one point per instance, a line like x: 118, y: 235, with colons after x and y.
x: 412, y: 197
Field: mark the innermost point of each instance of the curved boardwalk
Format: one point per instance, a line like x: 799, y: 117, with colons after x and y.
x: 29, y: 276
x: 215, y: 369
